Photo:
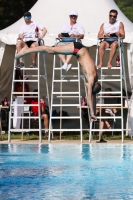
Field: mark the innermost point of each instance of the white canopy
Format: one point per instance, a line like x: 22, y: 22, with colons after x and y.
x: 53, y: 14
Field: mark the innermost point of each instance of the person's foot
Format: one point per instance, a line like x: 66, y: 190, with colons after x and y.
x: 101, y: 141
x: 68, y: 67
x: 20, y: 65
x: 99, y: 66
x: 33, y: 65
x: 109, y: 66
x: 46, y: 134
x: 64, y: 66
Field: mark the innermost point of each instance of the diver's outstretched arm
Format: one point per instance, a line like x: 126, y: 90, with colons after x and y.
x: 90, y: 100
x: 65, y: 50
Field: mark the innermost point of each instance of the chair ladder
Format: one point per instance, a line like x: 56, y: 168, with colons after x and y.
x: 117, y: 77
x: 32, y: 78
x: 63, y: 95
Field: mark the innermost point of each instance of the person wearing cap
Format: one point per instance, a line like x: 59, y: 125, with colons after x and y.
x: 28, y: 35
x: 74, y: 30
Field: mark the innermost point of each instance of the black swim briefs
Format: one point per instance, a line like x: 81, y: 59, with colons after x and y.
x: 110, y: 40
x: 29, y: 43
x: 77, y: 47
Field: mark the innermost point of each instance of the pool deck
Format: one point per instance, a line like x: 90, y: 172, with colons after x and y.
x: 18, y: 141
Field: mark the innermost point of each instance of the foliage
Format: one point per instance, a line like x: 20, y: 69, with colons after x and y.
x: 11, y: 11
x: 126, y: 7
x: 65, y: 136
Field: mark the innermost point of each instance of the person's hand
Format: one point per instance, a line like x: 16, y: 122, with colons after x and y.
x: 60, y: 35
x: 97, y: 111
x: 114, y: 110
x: 107, y: 35
x: 22, y: 37
x: 73, y: 35
x: 93, y: 118
x: 118, y: 34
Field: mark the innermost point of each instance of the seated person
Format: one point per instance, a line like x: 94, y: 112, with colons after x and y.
x: 44, y: 112
x: 28, y: 35
x: 84, y: 110
x: 74, y: 30
x: 110, y: 31
x: 105, y: 112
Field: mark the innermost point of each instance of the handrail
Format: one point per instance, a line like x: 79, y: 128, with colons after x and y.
x: 110, y: 37
x: 67, y: 39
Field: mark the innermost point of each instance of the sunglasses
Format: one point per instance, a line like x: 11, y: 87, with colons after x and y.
x: 73, y: 16
x: 27, y: 17
x: 113, y: 16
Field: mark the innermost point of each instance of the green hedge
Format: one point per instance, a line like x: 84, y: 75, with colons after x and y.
x: 126, y: 7
x: 12, y: 10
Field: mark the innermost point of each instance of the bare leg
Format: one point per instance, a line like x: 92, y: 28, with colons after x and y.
x: 33, y: 55
x: 102, y: 47
x: 90, y: 101
x: 45, y: 117
x: 65, y: 50
x: 19, y: 46
x: 68, y: 58
x: 113, y: 46
x: 101, y: 127
x: 63, y: 58
x: 107, y: 124
x: 100, y: 133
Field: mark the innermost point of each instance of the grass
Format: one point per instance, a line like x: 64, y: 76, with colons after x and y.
x: 64, y: 136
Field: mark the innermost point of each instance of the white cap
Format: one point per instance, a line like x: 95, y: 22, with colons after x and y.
x: 73, y: 12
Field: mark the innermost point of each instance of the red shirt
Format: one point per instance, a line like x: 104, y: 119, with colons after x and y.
x: 35, y: 108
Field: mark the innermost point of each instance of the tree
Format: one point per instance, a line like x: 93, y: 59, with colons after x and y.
x: 126, y: 7
x: 11, y: 11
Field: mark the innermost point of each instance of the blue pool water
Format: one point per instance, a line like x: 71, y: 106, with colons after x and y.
x: 66, y: 172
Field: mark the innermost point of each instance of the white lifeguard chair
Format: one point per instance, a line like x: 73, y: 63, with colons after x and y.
x: 34, y: 77
x: 118, y: 77
x: 65, y: 96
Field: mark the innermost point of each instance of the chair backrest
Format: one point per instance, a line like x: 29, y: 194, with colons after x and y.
x: 68, y: 39
x: 110, y: 100
x: 40, y: 42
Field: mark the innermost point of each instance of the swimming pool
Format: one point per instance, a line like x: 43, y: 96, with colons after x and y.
x: 66, y: 172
